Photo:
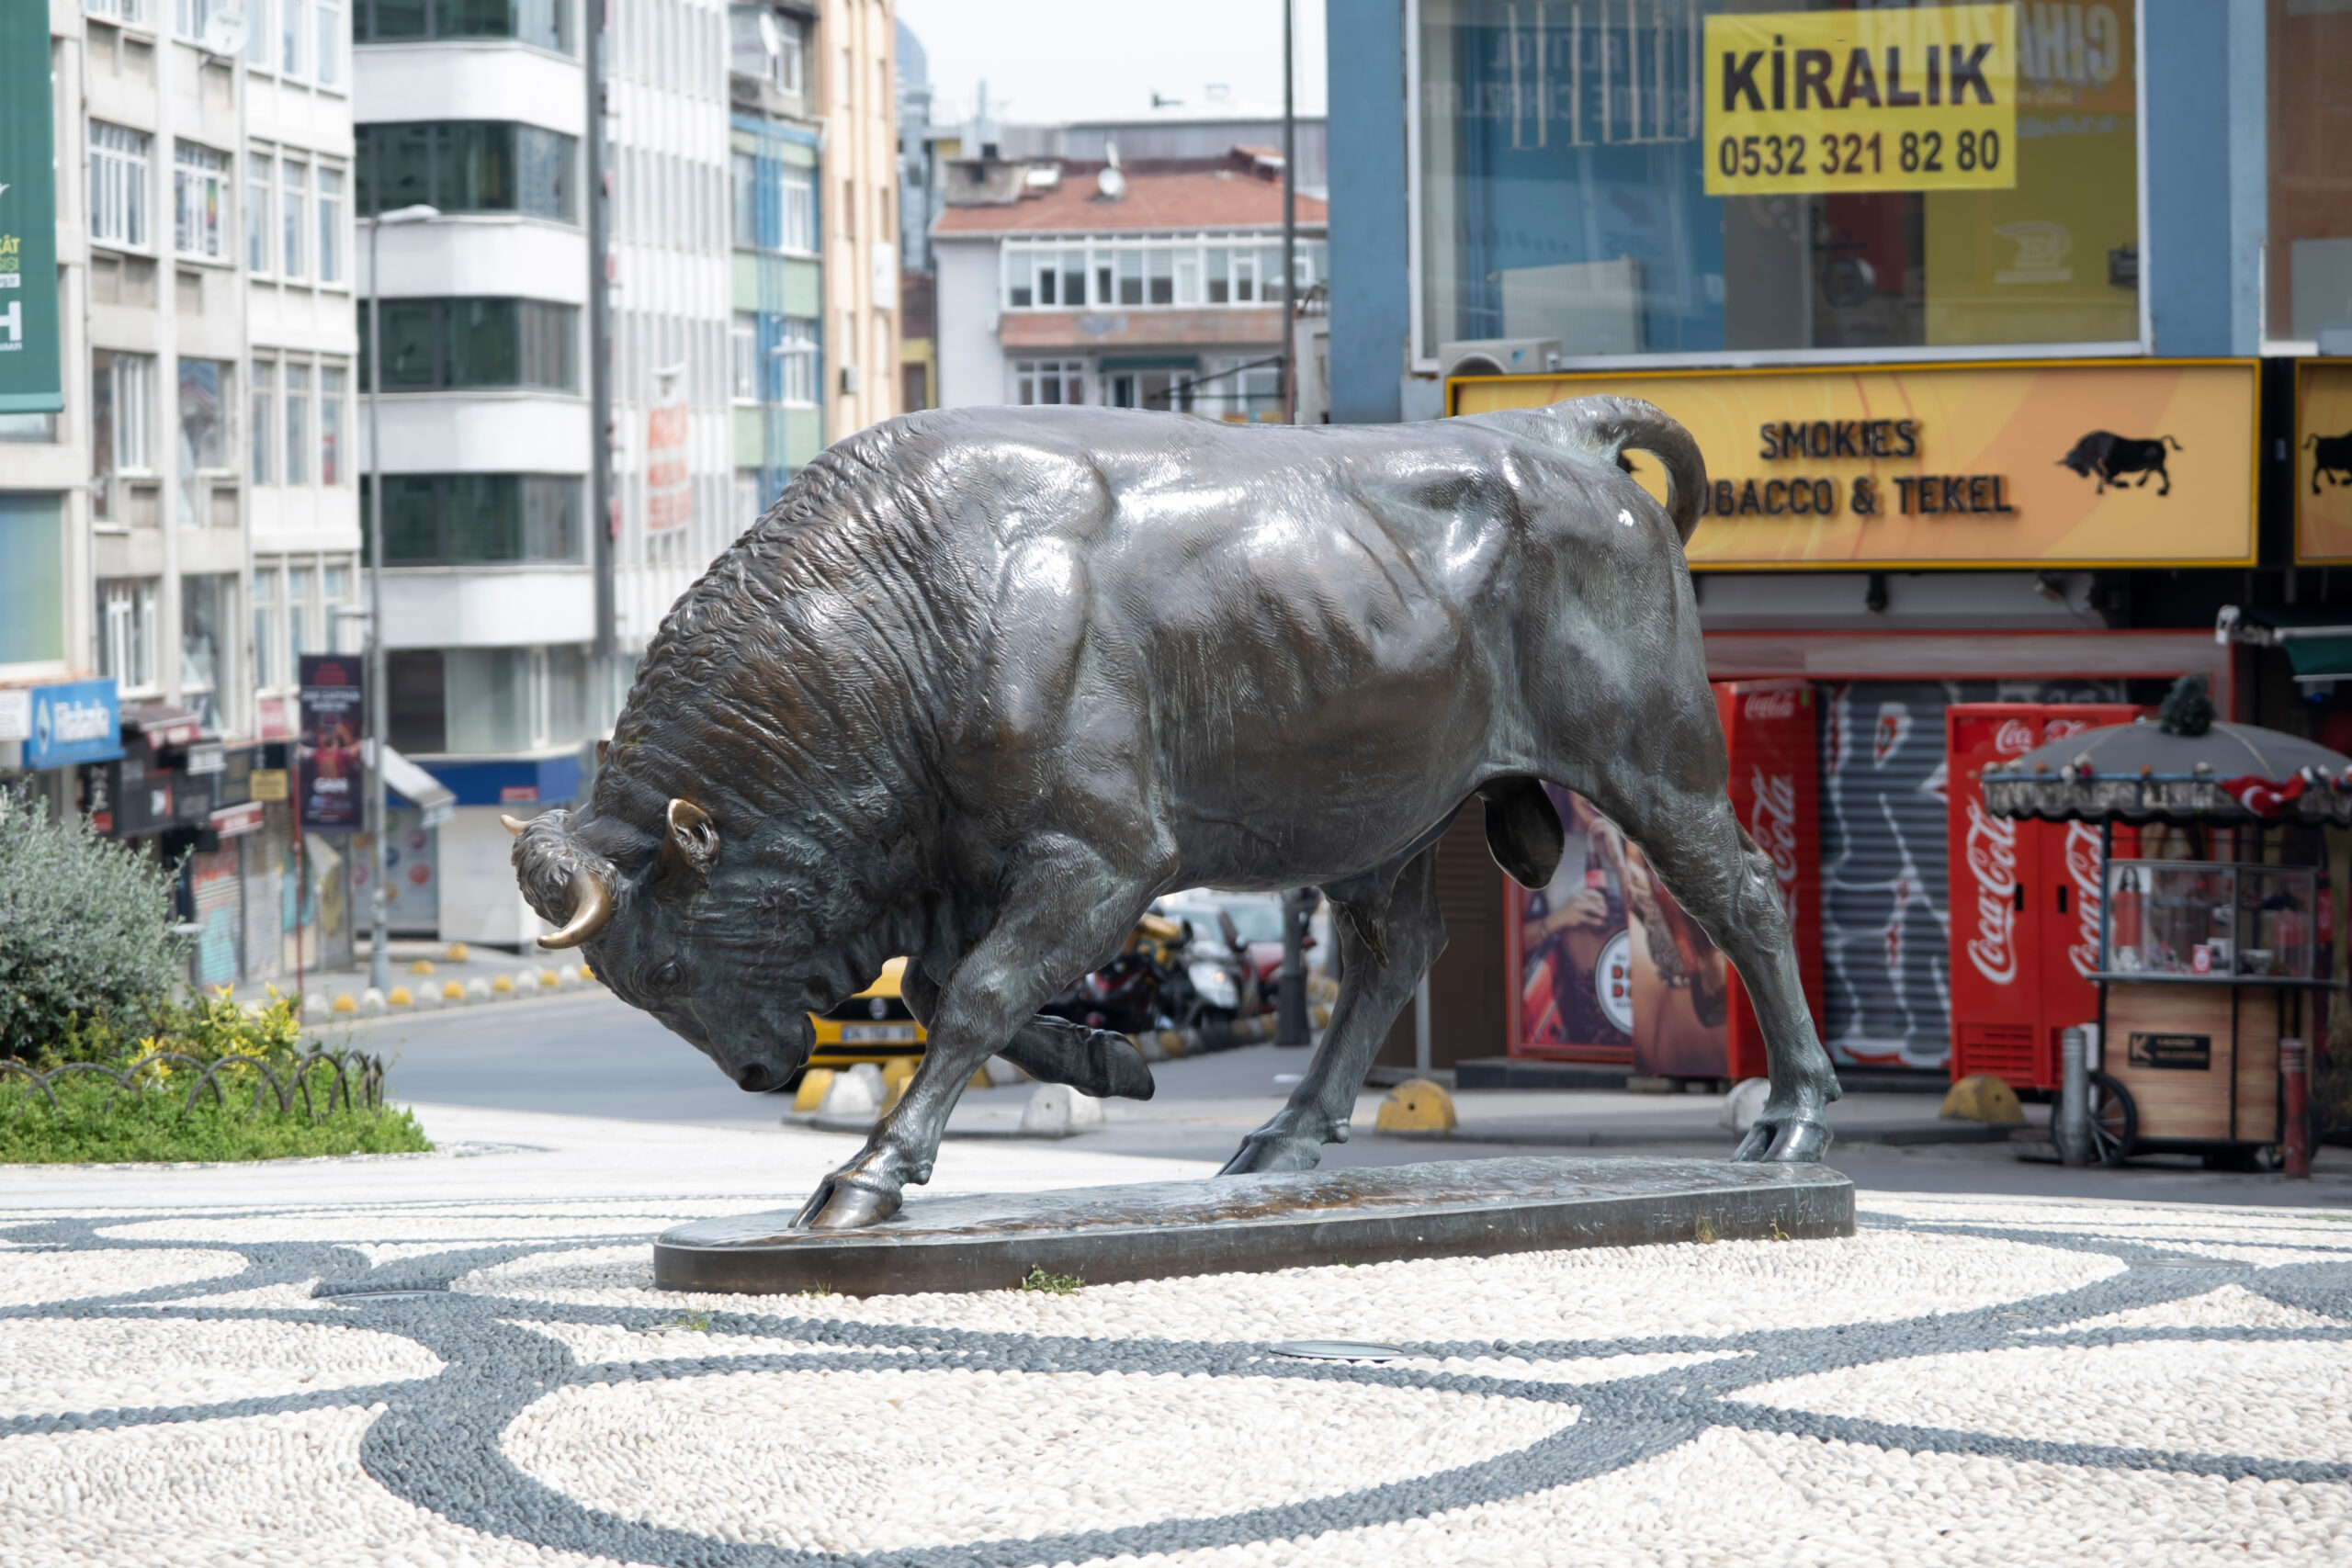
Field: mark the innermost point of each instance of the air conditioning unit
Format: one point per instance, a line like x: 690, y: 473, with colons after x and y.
x: 1499, y: 356
x: 851, y: 381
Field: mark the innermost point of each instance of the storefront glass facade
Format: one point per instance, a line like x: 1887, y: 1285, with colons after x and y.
x: 2309, y: 281
x: 1702, y: 176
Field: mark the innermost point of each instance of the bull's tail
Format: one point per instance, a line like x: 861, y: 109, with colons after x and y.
x: 2176, y: 446
x: 1609, y: 425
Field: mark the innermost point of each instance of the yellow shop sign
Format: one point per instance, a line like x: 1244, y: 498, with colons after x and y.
x: 2323, y: 462
x: 2084, y: 464
x: 1922, y: 98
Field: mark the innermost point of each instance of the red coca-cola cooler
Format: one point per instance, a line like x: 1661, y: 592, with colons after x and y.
x: 1771, y: 730
x: 2024, y: 900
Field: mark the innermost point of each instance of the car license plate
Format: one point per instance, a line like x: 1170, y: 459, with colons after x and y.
x: 877, y: 1033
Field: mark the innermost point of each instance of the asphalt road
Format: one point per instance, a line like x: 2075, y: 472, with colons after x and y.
x: 591, y: 1055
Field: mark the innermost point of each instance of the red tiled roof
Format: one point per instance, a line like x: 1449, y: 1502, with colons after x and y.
x: 1179, y: 201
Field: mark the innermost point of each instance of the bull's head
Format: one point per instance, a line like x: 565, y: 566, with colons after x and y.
x: 665, y: 930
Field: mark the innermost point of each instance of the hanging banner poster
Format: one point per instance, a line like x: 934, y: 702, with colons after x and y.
x: 29, y: 382
x: 669, y: 489
x: 334, y: 719
x: 2095, y: 463
x: 1800, y: 102
x: 2324, y: 463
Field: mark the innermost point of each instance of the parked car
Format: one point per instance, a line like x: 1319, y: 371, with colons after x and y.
x: 872, y: 1026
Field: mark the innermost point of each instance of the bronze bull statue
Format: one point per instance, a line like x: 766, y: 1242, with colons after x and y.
x: 984, y: 682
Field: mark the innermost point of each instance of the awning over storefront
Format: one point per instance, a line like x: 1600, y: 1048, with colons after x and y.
x: 2318, y: 642
x: 416, y: 786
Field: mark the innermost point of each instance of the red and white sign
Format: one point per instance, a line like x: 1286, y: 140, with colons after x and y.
x: 669, y: 489
x: 232, y: 821
x: 1771, y: 729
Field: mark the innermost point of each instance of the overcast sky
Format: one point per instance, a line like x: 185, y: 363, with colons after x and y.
x: 1048, y: 61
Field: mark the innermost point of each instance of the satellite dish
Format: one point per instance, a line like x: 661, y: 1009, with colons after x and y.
x: 224, y: 33
x: 771, y: 36
x: 1111, y: 182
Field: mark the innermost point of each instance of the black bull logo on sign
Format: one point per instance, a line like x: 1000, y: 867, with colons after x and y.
x: 984, y: 682
x: 2110, y: 456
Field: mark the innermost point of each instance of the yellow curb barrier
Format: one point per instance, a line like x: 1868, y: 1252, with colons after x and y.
x: 345, y: 1003
x: 897, y: 1074
x: 813, y: 1085
x: 400, y: 998
x: 1981, y: 1097
x: 1417, y: 1105
x: 456, y: 953
x: 422, y: 966
x: 502, y: 983
x: 547, y: 977
x: 453, y: 992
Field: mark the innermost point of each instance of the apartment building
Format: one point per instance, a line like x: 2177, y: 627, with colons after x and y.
x: 858, y: 98
x: 195, y: 488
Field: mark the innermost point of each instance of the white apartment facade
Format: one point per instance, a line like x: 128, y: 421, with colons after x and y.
x: 858, y: 99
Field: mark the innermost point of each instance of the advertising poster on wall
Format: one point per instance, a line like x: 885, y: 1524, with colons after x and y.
x: 668, y: 488
x: 334, y: 720
x: 1573, y: 948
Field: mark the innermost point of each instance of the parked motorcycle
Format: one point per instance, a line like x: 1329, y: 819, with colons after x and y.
x: 1131, y: 994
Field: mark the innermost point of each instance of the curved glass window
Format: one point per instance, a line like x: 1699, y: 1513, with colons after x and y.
x: 433, y: 346
x: 467, y: 167
x: 1696, y: 177
x: 547, y: 23
x: 477, y: 519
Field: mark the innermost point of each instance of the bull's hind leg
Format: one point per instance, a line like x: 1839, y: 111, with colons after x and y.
x: 1053, y: 1050
x: 1695, y: 842
x: 1390, y: 932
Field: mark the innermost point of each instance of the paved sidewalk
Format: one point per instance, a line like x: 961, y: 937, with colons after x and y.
x: 1967, y: 1380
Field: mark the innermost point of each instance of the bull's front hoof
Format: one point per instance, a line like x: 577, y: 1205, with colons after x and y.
x: 838, y: 1205
x: 1795, y: 1140
x: 1263, y: 1154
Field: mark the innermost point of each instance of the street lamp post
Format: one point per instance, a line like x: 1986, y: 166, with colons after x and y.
x: 380, y: 955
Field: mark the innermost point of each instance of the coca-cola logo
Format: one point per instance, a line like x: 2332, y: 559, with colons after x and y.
x: 1772, y: 705
x: 2082, y: 870
x: 2013, y: 739
x: 2059, y: 729
x: 1772, y: 823
x: 1991, y: 856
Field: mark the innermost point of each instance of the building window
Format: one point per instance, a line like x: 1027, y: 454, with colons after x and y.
x: 205, y: 386
x: 797, y: 207
x: 257, y: 34
x: 133, y: 12
x: 189, y: 16
x: 331, y: 405
x: 796, y: 349
x: 1533, y: 123
x: 297, y: 423
x: 122, y: 395
x: 127, y: 631
x: 293, y: 208
x: 478, y: 519
x: 2309, y: 253
x: 439, y: 344
x: 268, y: 667
x: 204, y: 603
x: 260, y: 407
x: 743, y: 183
x: 258, y: 184
x: 117, y: 184
x: 199, y: 199
x: 744, y: 356
x: 1048, y: 381
x: 301, y: 617
x: 342, y: 631
x: 326, y: 56
x: 289, y: 36
x: 330, y: 225
x: 544, y: 23
x: 467, y: 166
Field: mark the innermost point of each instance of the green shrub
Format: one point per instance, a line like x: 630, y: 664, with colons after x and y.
x: 96, y: 1119
x: 85, y: 935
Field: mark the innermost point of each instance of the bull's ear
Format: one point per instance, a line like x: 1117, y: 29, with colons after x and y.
x: 694, y: 838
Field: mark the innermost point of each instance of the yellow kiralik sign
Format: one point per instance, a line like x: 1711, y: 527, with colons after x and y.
x: 1921, y: 98
x: 2106, y: 463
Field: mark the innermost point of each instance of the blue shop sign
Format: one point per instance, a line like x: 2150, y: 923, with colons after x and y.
x: 80, y: 721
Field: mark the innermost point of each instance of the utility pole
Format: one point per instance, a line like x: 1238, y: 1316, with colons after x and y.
x: 1290, y: 228
x: 603, y: 515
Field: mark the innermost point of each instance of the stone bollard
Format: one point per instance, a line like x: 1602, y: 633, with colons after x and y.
x: 2071, y: 1127
x: 316, y: 1009
x: 1057, y: 1110
x: 2295, y: 1080
x: 453, y: 995
x: 855, y: 1095
x: 371, y: 1002
x: 477, y: 990
x: 810, y: 1095
x: 1745, y: 1104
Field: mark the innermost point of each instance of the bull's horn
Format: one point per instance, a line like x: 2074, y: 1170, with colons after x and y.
x: 591, y: 906
x: 514, y: 825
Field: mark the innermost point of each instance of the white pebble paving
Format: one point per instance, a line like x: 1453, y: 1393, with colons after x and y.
x: 1603, y: 1292
x: 283, y: 1491
x: 593, y: 1344
x: 864, y: 1462
x: 37, y: 1278
x: 2278, y: 1399
x: 59, y: 1365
